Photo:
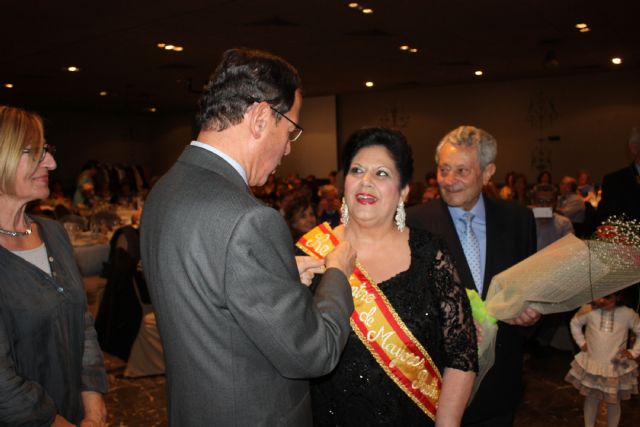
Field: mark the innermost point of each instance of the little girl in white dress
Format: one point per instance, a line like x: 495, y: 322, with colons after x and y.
x: 605, y: 369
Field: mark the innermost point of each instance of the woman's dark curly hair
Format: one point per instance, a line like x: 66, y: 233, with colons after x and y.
x: 393, y: 140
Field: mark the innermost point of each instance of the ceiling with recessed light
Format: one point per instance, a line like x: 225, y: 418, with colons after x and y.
x: 337, y: 48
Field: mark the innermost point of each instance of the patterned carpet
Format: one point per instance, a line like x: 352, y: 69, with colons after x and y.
x: 548, y: 400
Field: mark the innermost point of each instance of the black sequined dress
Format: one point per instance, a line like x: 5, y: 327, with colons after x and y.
x: 434, y: 306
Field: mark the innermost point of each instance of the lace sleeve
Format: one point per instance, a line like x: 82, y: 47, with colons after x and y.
x: 458, y: 329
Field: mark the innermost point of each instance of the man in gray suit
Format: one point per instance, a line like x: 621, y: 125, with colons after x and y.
x: 241, y: 334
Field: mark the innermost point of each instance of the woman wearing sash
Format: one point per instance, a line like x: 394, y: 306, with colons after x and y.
x: 411, y: 358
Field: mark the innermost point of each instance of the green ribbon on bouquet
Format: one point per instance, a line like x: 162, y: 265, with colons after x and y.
x: 478, y: 309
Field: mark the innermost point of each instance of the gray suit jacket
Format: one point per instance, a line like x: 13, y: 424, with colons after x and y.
x: 241, y: 333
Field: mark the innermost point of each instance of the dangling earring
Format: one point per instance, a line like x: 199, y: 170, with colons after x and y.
x: 344, y: 212
x: 400, y: 216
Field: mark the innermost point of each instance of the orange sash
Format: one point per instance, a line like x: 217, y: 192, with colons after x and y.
x: 382, y: 331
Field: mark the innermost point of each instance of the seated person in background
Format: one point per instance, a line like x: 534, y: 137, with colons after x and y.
x: 416, y: 191
x: 125, y: 195
x: 506, y: 192
x: 57, y: 196
x: 519, y: 191
x: 585, y: 188
x: 300, y: 215
x: 86, y: 196
x: 550, y: 226
x: 490, y: 190
x: 544, y: 177
x: 570, y: 204
x: 431, y: 191
x: 89, y: 170
x: 329, y: 205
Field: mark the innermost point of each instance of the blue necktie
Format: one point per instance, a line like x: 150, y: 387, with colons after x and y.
x: 471, y: 248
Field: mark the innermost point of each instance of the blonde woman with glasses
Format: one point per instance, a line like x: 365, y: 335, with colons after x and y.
x: 51, y: 367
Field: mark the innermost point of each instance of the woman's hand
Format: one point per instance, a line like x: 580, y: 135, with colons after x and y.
x: 478, y: 331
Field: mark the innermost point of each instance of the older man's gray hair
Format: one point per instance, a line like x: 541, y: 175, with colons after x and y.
x: 470, y: 136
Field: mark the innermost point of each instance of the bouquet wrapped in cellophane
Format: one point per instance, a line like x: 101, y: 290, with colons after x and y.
x: 563, y: 276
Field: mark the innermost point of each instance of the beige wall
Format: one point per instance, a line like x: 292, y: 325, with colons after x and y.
x: 173, y: 132
x: 315, y: 152
x: 594, y: 116
x: 595, y: 113
x: 82, y: 136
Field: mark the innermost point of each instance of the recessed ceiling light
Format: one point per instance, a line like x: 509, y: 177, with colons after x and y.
x: 103, y: 93
x: 72, y: 69
x: 152, y: 109
x: 617, y: 60
x: 581, y: 25
x: 404, y: 47
x: 172, y: 47
x: 478, y: 72
x: 585, y: 30
x: 8, y: 85
x: 368, y: 84
x: 367, y: 10
x: 413, y: 50
x: 353, y: 5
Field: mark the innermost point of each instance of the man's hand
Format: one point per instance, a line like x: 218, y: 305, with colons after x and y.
x: 308, y: 267
x: 95, y: 411
x: 343, y: 258
x: 527, y: 318
x: 61, y: 421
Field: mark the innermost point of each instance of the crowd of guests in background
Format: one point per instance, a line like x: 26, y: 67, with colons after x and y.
x: 98, y: 187
x: 305, y: 202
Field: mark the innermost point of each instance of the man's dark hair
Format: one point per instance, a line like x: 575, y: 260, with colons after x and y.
x: 245, y: 76
x: 395, y: 143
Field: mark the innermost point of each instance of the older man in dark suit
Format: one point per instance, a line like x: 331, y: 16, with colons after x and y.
x: 485, y: 236
x: 621, y: 189
x: 621, y: 195
x: 241, y: 333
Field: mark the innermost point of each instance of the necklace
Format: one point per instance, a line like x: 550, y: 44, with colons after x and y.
x: 26, y: 232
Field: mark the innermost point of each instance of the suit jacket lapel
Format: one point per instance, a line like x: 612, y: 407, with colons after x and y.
x: 634, y: 177
x: 492, y: 235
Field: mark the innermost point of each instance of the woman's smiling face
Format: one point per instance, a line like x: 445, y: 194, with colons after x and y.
x: 372, y: 186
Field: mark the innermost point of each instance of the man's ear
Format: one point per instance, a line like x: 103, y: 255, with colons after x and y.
x: 258, y: 117
x: 488, y: 172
